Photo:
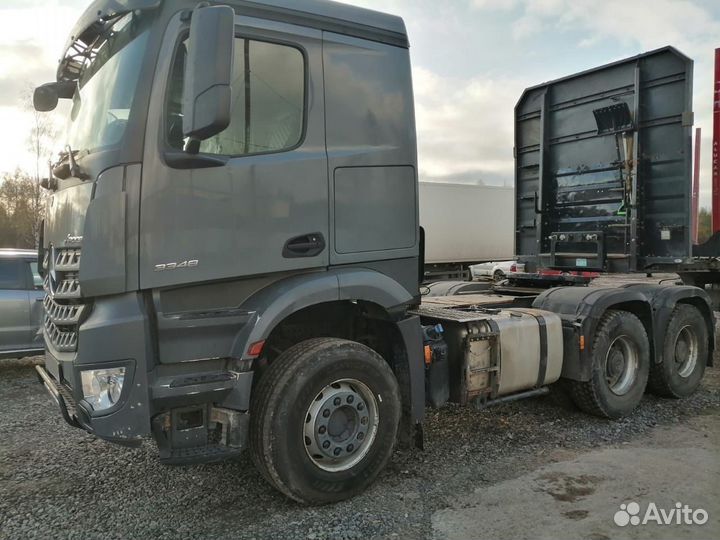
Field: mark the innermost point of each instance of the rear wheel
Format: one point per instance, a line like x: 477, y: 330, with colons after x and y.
x: 324, y: 420
x: 498, y: 276
x: 685, y: 351
x: 620, y: 365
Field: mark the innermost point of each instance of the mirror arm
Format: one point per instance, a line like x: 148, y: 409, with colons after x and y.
x: 192, y: 146
x: 182, y: 160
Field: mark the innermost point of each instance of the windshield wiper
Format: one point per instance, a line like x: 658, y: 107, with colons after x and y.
x: 67, y: 165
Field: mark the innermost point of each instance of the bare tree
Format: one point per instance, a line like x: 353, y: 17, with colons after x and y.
x: 43, y: 134
x: 40, y: 141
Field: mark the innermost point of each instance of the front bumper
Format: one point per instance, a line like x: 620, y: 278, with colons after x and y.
x: 111, y: 424
x: 114, y: 334
x: 61, y: 396
x: 194, y: 410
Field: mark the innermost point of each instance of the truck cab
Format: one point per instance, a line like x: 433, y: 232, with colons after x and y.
x: 218, y: 202
x: 232, y: 257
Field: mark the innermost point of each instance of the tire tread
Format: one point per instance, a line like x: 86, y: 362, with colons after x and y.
x: 657, y: 382
x: 275, y: 380
x: 584, y: 393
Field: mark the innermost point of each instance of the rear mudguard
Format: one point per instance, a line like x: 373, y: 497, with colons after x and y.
x: 582, y: 308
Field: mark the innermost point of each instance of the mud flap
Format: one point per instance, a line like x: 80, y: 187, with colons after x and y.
x: 410, y: 372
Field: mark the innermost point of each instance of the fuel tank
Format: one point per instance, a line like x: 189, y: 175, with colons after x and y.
x: 497, y: 352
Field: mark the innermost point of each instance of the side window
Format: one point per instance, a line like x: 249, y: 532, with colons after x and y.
x: 268, y: 101
x: 12, y: 274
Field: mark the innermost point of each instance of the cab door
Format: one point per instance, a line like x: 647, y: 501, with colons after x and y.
x: 254, y: 201
x: 14, y: 305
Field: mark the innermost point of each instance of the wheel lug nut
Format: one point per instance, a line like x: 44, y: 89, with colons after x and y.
x: 337, y: 451
x: 364, y: 420
x: 336, y: 401
x: 326, y: 445
x: 326, y: 413
x: 322, y: 430
x: 360, y: 406
x: 350, y: 448
x: 350, y: 399
x: 360, y: 436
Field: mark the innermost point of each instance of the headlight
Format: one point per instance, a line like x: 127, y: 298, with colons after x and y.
x: 102, y: 387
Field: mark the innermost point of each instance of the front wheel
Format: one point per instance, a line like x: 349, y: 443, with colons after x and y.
x: 685, y: 352
x: 620, y: 366
x: 324, y: 420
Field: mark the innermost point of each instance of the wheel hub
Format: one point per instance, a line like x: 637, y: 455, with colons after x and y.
x: 686, y: 351
x: 621, y: 365
x: 340, y: 425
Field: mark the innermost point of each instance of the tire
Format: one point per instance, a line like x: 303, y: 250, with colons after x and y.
x: 498, y: 276
x: 620, y: 366
x: 289, y: 425
x: 685, y: 352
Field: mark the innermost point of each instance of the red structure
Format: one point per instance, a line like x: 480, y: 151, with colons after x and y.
x: 696, y: 186
x: 716, y: 147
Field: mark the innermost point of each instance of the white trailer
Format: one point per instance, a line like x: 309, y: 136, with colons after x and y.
x: 465, y: 224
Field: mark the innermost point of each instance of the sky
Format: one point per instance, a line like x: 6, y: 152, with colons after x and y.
x: 471, y: 61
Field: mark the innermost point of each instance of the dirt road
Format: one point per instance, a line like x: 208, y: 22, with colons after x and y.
x: 532, y: 469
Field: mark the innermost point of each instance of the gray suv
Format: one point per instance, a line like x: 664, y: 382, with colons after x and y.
x: 21, y: 308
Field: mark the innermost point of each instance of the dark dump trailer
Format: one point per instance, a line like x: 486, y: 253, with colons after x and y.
x: 603, y: 171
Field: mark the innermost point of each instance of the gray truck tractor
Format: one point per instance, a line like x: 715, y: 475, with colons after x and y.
x: 232, y: 257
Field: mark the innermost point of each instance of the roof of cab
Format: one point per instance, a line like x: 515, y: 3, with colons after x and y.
x: 324, y: 14
x: 11, y: 253
x: 336, y: 17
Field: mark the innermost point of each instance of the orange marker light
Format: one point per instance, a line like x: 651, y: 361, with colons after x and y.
x: 428, y: 355
x: 582, y: 343
x: 255, y: 349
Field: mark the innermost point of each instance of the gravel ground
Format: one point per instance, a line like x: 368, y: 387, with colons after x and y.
x: 56, y: 481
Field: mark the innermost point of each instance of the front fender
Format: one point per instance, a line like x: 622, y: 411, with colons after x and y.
x: 272, y: 304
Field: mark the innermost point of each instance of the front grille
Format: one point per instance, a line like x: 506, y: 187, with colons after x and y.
x: 63, y: 303
x: 62, y: 341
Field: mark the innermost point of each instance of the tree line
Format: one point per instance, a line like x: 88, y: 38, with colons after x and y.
x: 22, y: 205
x: 22, y: 199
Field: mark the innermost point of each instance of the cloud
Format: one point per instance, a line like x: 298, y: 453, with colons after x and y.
x: 495, y: 5
x: 683, y: 23
x: 17, y: 75
x: 33, y: 34
x: 464, y: 130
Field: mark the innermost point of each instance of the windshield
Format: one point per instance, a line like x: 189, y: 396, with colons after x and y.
x: 106, y: 87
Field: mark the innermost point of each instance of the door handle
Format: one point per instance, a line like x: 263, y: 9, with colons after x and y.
x: 306, y: 245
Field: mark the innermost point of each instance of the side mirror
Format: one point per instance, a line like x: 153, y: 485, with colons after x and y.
x: 45, y: 97
x: 208, y: 74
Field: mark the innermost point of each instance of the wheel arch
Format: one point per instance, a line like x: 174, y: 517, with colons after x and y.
x: 581, y: 310
x: 357, y: 304
x: 665, y: 298
x: 279, y: 300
